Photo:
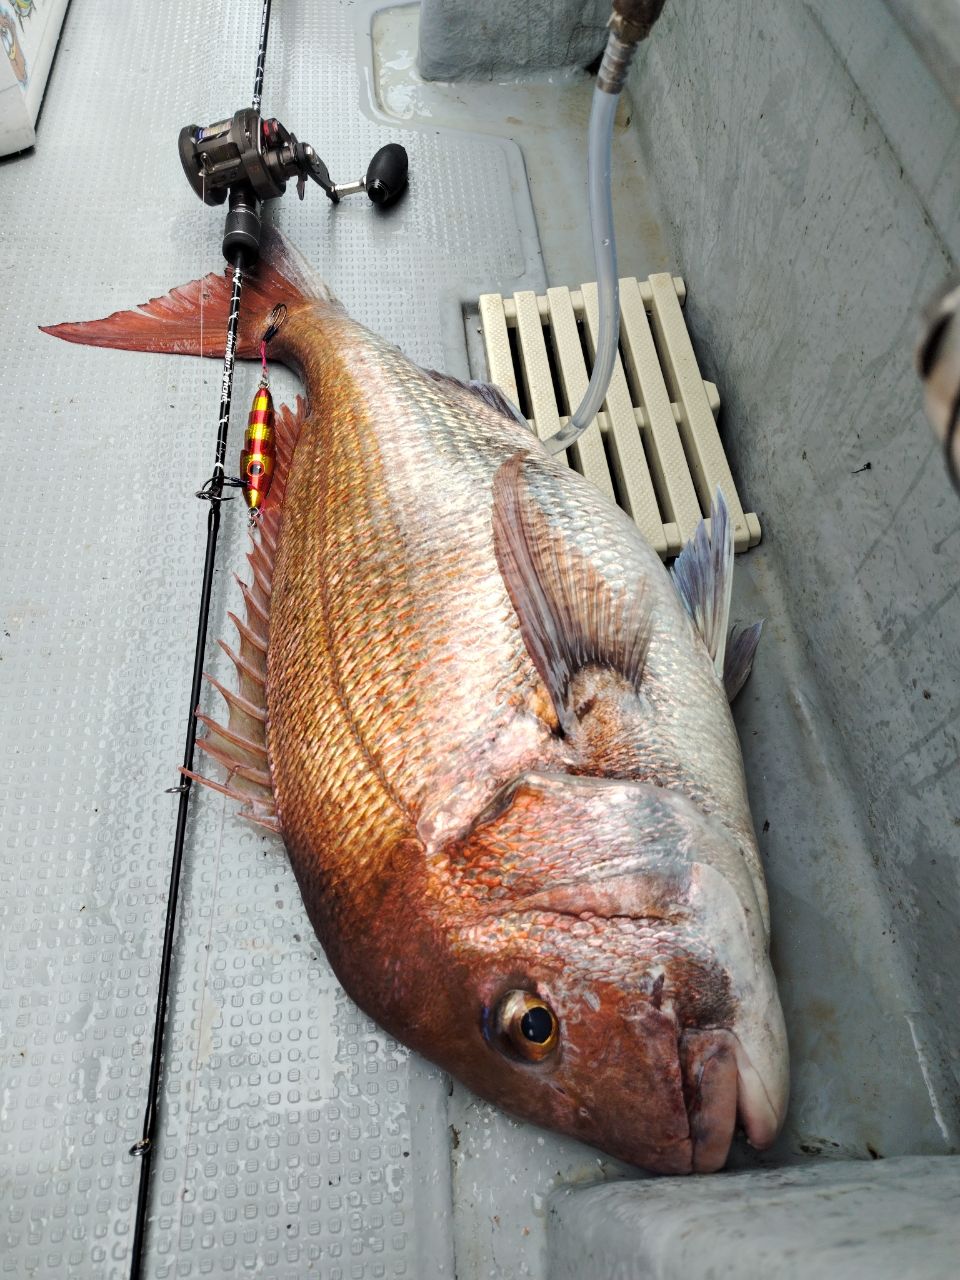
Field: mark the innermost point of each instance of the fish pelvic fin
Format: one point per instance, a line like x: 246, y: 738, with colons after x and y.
x: 703, y: 576
x: 240, y: 745
x: 570, y: 617
x: 191, y: 319
x: 738, y: 661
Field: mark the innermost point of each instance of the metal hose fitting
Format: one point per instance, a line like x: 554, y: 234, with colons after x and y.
x: 617, y: 57
x: 632, y: 20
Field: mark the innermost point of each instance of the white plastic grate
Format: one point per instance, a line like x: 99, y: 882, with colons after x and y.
x: 654, y: 447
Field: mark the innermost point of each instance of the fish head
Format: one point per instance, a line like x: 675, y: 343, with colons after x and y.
x: 617, y: 958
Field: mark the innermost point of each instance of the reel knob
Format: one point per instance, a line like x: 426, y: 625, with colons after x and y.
x: 386, y: 177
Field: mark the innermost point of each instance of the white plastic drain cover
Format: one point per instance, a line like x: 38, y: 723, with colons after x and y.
x: 654, y: 447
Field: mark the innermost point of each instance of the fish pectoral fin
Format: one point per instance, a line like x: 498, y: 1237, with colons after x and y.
x: 570, y: 616
x: 703, y: 576
x: 738, y: 661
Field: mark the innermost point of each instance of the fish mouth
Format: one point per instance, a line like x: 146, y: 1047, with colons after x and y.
x: 722, y: 1087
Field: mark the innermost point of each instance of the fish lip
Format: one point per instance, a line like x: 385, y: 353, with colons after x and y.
x: 759, y: 1118
x: 708, y: 1068
x: 722, y: 1089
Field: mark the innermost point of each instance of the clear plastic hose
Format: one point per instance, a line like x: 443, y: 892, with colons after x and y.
x: 606, y: 97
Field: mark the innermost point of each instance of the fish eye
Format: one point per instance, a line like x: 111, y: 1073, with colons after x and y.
x: 526, y: 1026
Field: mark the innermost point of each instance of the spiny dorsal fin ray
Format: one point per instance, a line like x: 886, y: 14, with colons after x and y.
x: 253, y: 636
x: 254, y: 751
x: 703, y: 576
x: 236, y: 701
x: 262, y: 580
x: 268, y: 534
x: 261, y: 559
x: 259, y: 777
x: 255, y: 610
x: 253, y: 810
x: 223, y: 789
x: 245, y: 669
x: 240, y: 746
x: 569, y: 615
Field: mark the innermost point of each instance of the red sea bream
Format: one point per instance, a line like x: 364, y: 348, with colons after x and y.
x: 494, y: 735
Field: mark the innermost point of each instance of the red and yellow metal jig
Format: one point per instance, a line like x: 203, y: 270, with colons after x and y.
x: 258, y: 454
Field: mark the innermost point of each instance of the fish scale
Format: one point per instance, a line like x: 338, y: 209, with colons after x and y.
x: 387, y: 540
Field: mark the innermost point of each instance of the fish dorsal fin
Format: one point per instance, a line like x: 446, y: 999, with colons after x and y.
x: 486, y: 392
x: 703, y: 576
x: 569, y: 616
x: 240, y: 745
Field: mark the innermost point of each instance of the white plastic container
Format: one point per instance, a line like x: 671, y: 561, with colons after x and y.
x: 29, y: 30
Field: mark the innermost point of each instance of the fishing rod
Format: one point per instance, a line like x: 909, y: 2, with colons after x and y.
x: 240, y: 243
x: 244, y: 161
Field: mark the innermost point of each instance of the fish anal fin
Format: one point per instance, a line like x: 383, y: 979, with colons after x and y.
x: 703, y: 576
x: 570, y: 617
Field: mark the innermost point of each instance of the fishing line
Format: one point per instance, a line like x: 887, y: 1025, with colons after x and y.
x: 212, y: 492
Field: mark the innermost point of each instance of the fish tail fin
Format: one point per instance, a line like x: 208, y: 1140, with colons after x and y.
x: 240, y: 746
x: 191, y: 319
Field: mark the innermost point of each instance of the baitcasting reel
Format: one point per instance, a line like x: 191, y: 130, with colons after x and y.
x: 251, y: 159
x: 265, y: 154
